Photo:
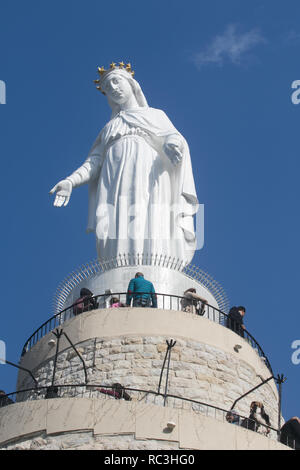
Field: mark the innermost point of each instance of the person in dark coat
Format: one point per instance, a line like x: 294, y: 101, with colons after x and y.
x: 290, y: 433
x: 235, y: 320
x: 4, y: 399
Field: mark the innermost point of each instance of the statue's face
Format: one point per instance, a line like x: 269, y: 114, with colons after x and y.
x: 117, y: 89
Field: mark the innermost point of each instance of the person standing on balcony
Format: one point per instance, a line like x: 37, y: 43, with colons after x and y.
x: 290, y: 433
x: 142, y: 292
x: 258, y: 420
x: 4, y: 399
x: 85, y: 302
x: 115, y: 303
x: 193, y: 303
x: 235, y: 320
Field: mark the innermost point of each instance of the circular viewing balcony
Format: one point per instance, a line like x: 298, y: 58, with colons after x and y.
x: 164, y: 302
x: 51, y: 417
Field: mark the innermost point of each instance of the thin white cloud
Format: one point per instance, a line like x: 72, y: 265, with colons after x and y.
x: 230, y: 46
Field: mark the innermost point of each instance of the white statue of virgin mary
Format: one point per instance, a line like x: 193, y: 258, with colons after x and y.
x: 142, y: 196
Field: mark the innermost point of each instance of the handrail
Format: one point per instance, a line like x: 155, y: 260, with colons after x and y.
x: 212, y: 313
x: 95, y: 267
x: 37, y: 394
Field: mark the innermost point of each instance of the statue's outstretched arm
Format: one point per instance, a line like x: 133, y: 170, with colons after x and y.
x: 83, y: 175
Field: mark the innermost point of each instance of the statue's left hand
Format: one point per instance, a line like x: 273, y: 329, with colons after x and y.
x: 174, y: 150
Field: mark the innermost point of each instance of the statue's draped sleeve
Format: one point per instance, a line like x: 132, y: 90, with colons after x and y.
x: 89, y: 173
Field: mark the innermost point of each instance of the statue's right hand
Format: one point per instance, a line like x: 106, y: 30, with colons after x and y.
x: 63, y: 191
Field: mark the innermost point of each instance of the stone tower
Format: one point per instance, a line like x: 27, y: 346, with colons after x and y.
x: 182, y: 371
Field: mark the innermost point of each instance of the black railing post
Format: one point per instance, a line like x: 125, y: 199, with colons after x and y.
x: 58, y: 334
x: 162, y: 370
x: 280, y: 380
x: 252, y: 390
x: 170, y: 344
x: 80, y: 357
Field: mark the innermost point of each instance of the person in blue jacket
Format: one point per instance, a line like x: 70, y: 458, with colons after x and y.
x: 142, y: 292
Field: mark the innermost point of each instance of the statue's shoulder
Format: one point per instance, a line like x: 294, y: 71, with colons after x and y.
x: 157, y: 111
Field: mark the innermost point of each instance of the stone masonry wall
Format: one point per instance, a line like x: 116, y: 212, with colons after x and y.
x: 197, y: 371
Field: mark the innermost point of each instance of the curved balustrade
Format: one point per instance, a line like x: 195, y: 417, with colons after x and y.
x: 96, y: 267
x: 97, y: 391
x: 164, y: 301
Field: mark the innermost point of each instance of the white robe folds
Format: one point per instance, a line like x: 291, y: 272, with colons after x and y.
x: 139, y: 201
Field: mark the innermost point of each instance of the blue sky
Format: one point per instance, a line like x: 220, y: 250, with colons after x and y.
x: 222, y: 71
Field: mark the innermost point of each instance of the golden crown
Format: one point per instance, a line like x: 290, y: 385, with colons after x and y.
x: 102, y: 72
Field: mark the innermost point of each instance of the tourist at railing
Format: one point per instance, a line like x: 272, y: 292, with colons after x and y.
x: 233, y: 417
x: 235, y: 320
x: 290, y: 433
x: 258, y: 419
x: 192, y: 302
x: 85, y: 302
x: 4, y: 400
x: 52, y: 392
x: 117, y: 391
x: 115, y: 303
x: 141, y: 292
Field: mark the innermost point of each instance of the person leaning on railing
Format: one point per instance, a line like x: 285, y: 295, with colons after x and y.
x: 235, y: 320
x: 233, y: 417
x: 4, y: 399
x: 258, y: 420
x: 115, y: 303
x: 141, y: 292
x: 117, y: 391
x: 192, y: 302
x: 85, y: 302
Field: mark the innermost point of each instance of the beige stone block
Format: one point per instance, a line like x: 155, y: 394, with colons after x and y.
x: 151, y: 423
x: 21, y: 419
x: 118, y: 373
x: 69, y: 414
x: 114, y: 417
x: 132, y: 348
x: 133, y: 340
x: 250, y: 440
x: 141, y: 371
x: 197, y: 431
x: 104, y: 367
x: 115, y: 350
x: 185, y: 374
x: 145, y: 363
x: 122, y: 364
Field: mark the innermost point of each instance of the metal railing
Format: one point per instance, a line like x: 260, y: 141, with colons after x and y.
x: 164, y: 301
x: 96, y: 267
x: 107, y: 392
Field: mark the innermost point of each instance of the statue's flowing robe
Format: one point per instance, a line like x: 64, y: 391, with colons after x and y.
x: 139, y: 201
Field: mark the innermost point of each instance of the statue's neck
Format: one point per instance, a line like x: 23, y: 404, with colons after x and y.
x: 131, y: 103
